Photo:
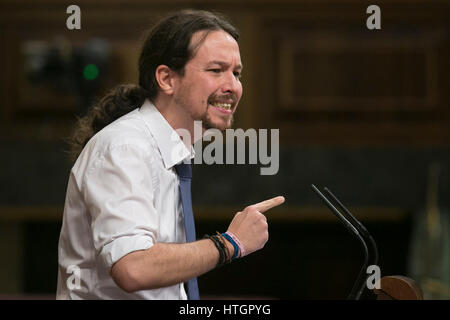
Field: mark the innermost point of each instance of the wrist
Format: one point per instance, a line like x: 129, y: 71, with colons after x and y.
x: 235, y: 243
x: 239, y: 250
x: 230, y: 247
x: 222, y: 247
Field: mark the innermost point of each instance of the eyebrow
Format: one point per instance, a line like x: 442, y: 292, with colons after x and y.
x: 225, y: 64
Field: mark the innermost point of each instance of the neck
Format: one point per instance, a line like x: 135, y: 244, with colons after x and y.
x: 179, y: 119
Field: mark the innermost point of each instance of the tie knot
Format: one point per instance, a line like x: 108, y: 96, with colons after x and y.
x: 184, y: 170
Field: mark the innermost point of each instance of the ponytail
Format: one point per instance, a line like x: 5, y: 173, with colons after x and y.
x: 116, y: 103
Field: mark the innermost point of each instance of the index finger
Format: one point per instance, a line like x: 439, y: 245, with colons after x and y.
x: 265, y: 205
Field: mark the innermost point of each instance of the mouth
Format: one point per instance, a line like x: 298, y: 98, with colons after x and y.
x: 224, y: 107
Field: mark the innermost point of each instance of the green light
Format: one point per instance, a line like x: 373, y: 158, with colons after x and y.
x: 90, y: 72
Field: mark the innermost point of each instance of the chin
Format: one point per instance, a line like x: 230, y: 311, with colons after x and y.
x: 221, y: 125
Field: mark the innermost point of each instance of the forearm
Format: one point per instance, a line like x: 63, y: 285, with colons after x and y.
x: 165, y: 264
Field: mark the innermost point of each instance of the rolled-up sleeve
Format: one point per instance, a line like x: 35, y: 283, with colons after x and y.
x: 119, y: 196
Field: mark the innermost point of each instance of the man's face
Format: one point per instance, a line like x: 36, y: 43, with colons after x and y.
x: 210, y: 88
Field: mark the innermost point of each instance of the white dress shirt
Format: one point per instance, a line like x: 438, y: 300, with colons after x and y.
x: 122, y: 196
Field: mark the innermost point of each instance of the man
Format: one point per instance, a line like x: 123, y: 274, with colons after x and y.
x: 126, y: 216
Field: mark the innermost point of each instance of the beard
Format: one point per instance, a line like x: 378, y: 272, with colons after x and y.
x: 205, y: 117
x: 208, y: 123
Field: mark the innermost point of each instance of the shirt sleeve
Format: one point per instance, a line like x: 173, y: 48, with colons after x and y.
x: 119, y: 193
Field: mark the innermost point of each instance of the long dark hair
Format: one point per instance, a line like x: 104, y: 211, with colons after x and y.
x: 167, y: 43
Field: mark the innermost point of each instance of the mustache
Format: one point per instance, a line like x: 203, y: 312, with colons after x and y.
x: 226, y: 98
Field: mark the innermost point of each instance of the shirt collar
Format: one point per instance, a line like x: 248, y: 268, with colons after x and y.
x: 170, y: 145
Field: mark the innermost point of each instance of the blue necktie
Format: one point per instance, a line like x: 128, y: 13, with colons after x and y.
x: 184, y: 172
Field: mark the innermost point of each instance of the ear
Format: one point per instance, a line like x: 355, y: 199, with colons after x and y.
x: 165, y: 78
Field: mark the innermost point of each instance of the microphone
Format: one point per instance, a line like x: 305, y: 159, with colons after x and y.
x: 356, y: 228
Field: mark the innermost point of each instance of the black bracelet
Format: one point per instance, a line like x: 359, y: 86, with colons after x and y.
x: 224, y: 245
x: 220, y: 247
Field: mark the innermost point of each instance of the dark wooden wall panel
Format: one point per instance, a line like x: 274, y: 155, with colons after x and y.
x: 340, y: 84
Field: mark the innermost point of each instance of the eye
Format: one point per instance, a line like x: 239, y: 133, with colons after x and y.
x: 216, y: 70
x: 237, y: 74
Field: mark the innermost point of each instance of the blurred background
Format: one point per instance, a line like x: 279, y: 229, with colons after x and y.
x: 363, y: 112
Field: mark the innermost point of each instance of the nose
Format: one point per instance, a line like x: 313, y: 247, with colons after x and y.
x: 231, y: 84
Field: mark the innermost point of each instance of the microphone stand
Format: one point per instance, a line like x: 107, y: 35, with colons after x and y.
x: 357, y: 229
x: 360, y: 227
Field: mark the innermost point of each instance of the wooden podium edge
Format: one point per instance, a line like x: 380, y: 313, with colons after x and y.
x: 398, y: 288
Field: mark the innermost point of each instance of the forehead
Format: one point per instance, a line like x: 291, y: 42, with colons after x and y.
x: 216, y: 46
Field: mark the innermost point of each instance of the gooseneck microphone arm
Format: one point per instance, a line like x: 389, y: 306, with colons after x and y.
x: 356, y: 228
x: 358, y: 225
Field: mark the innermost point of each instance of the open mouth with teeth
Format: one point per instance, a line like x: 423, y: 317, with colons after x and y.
x: 222, y: 106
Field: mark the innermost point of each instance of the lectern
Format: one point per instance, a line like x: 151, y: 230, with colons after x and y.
x: 398, y: 288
